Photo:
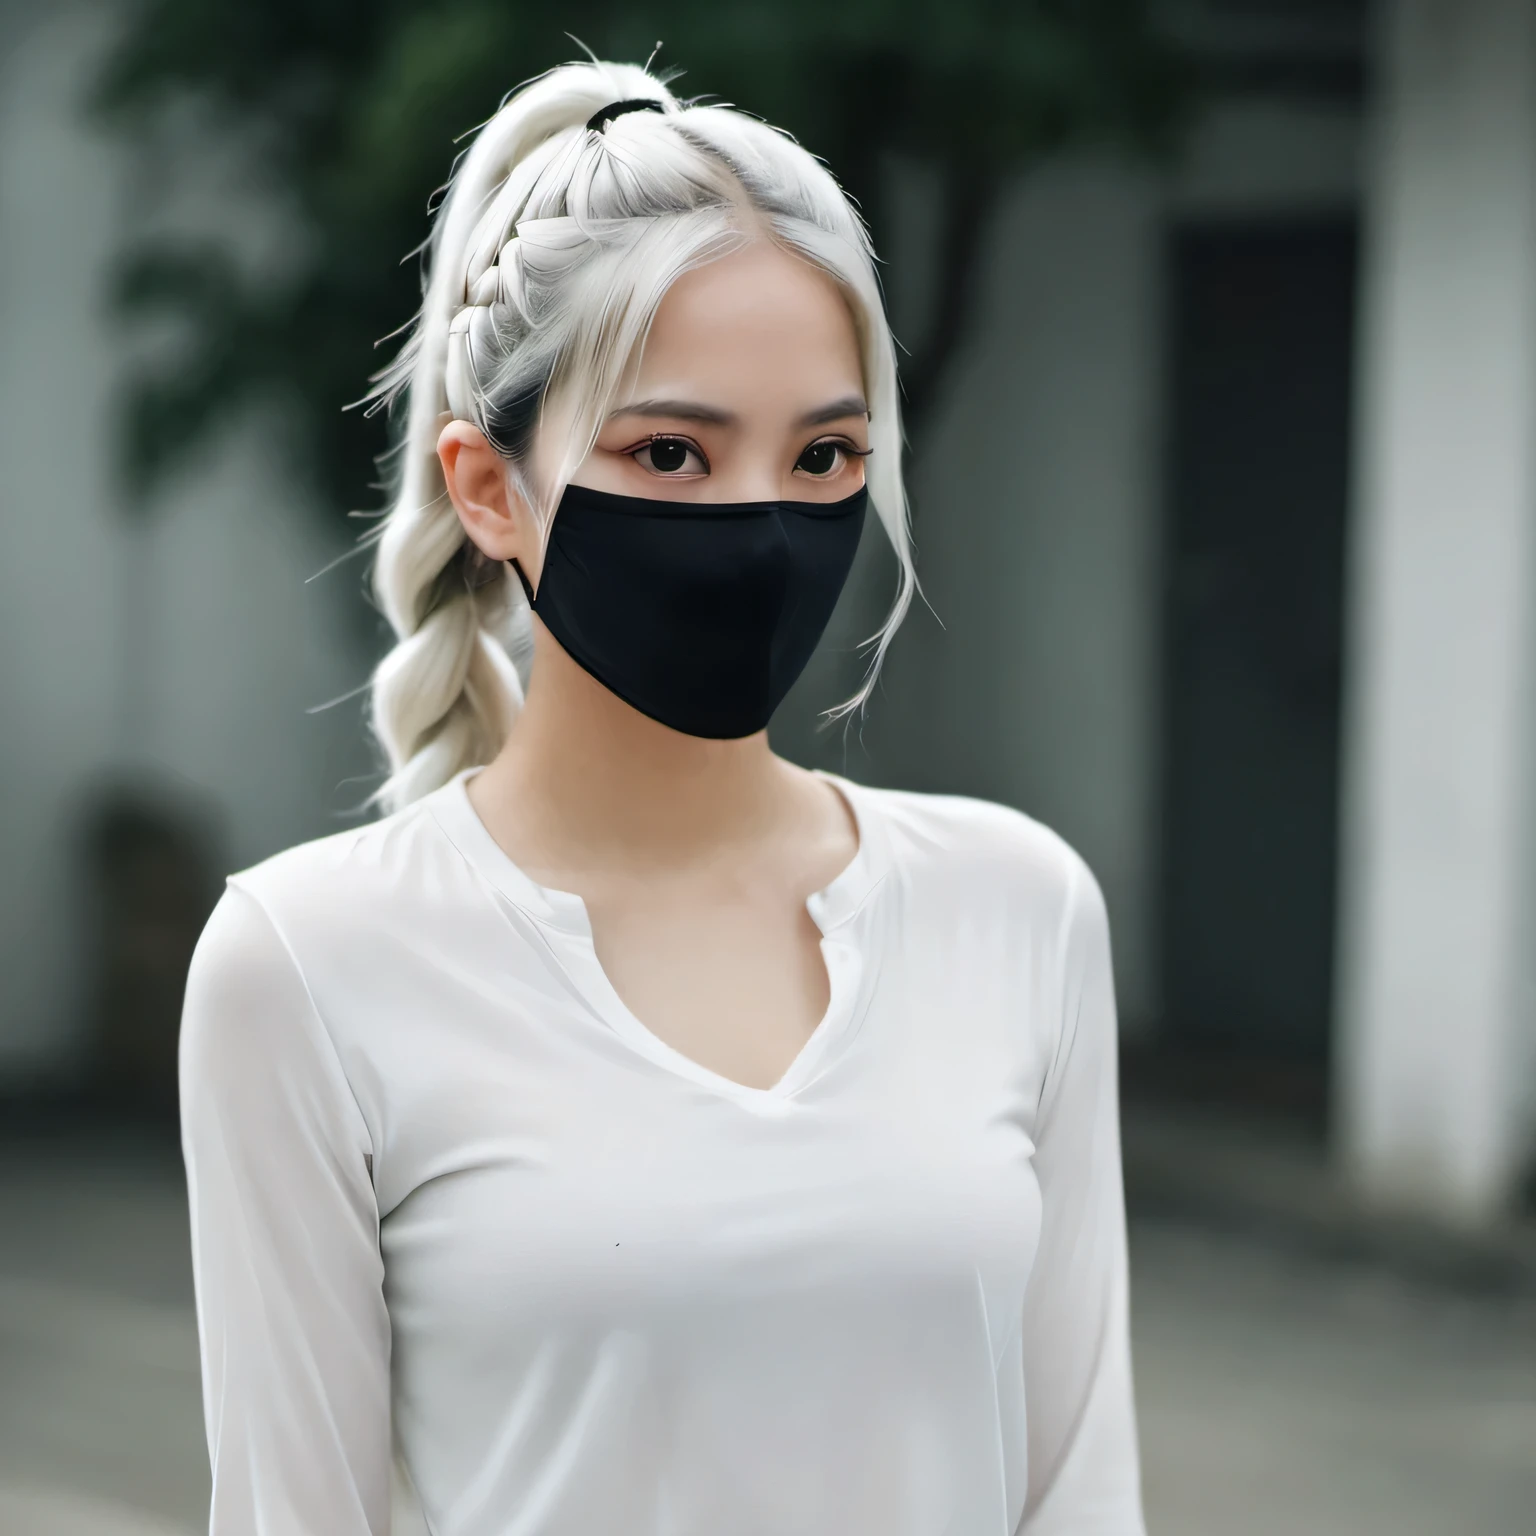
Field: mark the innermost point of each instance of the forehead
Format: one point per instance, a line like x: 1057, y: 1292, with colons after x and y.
x: 759, y: 320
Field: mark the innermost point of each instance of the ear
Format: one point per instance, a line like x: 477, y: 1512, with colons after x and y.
x: 493, y: 512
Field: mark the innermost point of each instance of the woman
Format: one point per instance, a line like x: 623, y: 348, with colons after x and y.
x: 636, y: 1132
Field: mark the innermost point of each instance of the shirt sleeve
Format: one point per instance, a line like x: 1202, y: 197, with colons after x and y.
x: 1084, y: 1472
x: 294, y: 1332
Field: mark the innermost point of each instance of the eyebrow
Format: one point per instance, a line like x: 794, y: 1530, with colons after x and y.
x: 838, y: 410
x: 678, y: 410
x: 713, y: 416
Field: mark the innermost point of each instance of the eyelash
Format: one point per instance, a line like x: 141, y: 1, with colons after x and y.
x: 843, y: 444
x: 668, y: 437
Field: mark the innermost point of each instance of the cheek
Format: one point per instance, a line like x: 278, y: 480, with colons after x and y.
x: 526, y: 542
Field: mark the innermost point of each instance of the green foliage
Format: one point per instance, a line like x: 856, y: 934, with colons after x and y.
x: 352, y: 107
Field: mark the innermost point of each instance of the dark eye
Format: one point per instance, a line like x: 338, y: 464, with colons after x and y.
x: 671, y: 456
x: 820, y: 459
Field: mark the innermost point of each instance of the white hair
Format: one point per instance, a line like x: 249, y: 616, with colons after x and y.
x: 547, y: 262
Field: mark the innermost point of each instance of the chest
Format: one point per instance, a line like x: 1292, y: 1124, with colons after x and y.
x: 678, y: 1281
x: 551, y: 1174
x: 689, y: 1222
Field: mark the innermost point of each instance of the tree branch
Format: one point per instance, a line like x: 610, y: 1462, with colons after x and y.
x: 970, y: 195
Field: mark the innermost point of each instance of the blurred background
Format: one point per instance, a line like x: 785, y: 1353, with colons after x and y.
x: 1220, y: 323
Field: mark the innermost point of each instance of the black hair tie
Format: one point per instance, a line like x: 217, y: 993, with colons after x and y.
x: 605, y: 115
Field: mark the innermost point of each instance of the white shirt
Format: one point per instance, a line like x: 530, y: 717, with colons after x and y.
x: 451, y: 1198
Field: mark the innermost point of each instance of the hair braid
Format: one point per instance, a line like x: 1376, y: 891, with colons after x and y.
x: 445, y: 696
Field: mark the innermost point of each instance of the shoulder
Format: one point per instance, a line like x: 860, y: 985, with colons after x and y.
x: 254, y: 1055
x: 296, y: 936
x: 247, y: 959
x: 991, y: 903
x: 963, y: 845
x: 385, y: 876
x: 349, y: 862
x: 338, y: 921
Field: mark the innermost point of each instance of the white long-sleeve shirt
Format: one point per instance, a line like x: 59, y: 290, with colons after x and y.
x: 451, y: 1198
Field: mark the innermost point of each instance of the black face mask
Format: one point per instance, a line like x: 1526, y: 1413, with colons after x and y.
x: 699, y: 614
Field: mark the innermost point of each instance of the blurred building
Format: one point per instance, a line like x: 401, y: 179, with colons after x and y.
x: 156, y: 662
x: 1228, y: 518
x: 1231, y: 526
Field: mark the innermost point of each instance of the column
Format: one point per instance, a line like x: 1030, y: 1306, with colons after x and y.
x: 1435, y: 998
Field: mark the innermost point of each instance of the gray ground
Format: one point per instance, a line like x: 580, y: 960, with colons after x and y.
x: 1280, y: 1392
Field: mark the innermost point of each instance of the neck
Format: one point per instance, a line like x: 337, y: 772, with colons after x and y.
x: 582, y: 770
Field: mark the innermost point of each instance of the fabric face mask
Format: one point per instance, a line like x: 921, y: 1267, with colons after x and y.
x: 700, y: 615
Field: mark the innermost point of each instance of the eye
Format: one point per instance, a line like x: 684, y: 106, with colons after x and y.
x: 670, y: 456
x: 824, y: 459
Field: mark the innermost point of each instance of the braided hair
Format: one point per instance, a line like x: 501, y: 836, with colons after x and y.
x: 576, y: 207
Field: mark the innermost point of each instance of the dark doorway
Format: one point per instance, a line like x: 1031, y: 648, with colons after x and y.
x: 1261, y: 335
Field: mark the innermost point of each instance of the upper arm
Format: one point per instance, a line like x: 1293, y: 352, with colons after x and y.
x: 295, y: 1336
x: 1084, y: 1477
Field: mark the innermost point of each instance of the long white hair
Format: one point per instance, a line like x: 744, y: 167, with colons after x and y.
x: 547, y: 260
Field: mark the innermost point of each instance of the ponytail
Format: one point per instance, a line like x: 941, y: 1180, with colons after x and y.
x: 444, y: 698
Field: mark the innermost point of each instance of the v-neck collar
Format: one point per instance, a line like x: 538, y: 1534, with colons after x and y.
x: 832, y: 909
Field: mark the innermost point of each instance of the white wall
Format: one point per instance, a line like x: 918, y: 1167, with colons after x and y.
x: 1437, y: 1001
x: 181, y: 650
x: 1038, y: 498
x: 1037, y: 547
